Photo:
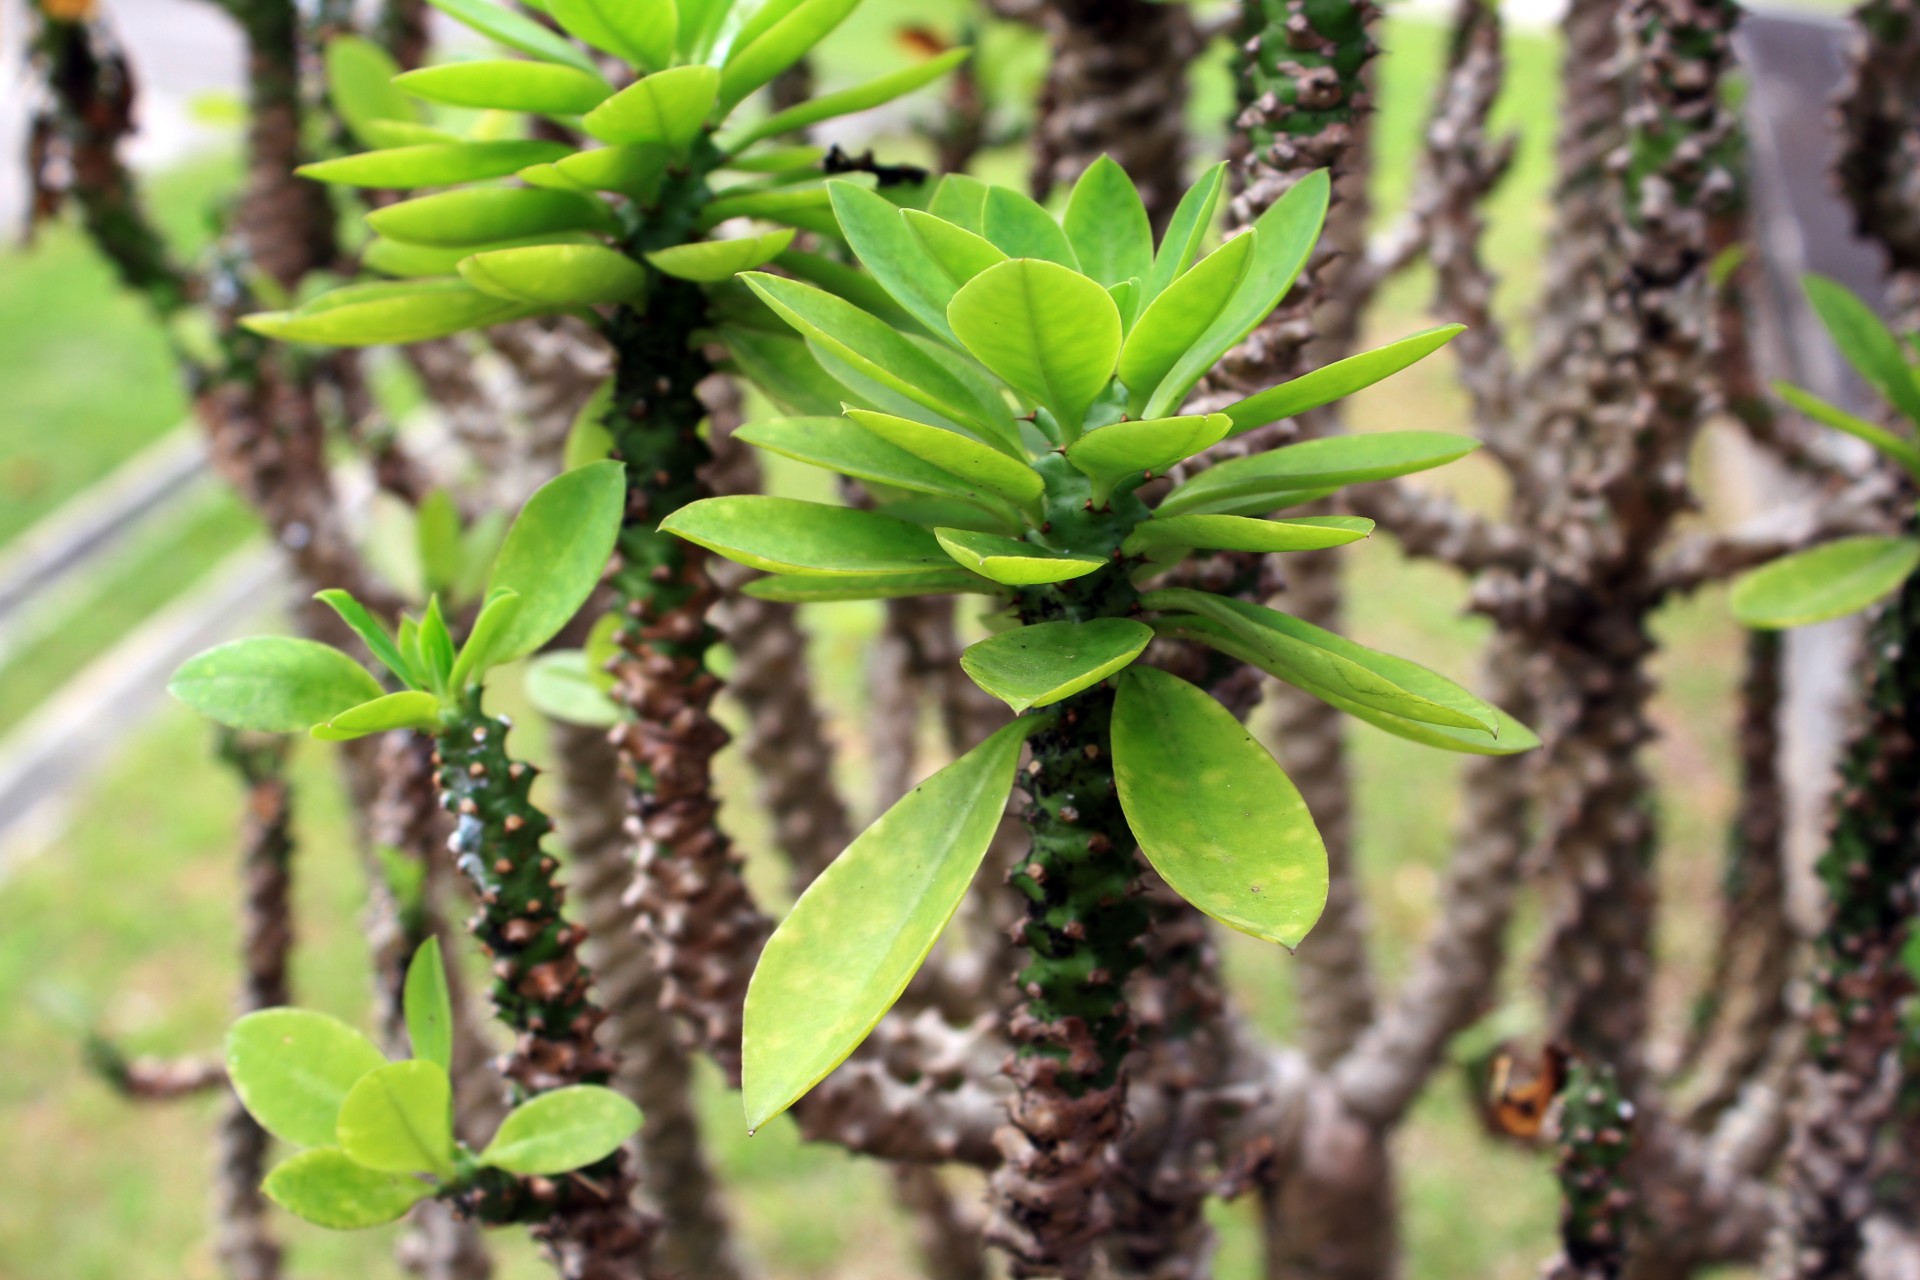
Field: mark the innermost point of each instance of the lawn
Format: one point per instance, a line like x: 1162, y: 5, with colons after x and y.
x: 125, y: 922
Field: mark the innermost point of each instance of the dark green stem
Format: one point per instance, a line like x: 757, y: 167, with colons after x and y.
x: 1596, y: 1137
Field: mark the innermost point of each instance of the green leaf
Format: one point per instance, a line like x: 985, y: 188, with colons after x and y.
x: 794, y: 589
x: 847, y: 101
x: 273, y: 684
x: 785, y: 535
x: 1317, y: 660
x: 1900, y: 451
x: 479, y: 216
x: 639, y: 32
x: 436, y: 645
x: 860, y: 931
x: 562, y: 1129
x: 876, y: 350
x: 959, y: 253
x: 1186, y: 231
x: 371, y: 634
x: 411, y: 709
x: 328, y: 1189
x: 399, y: 1119
x: 1213, y: 812
x: 1175, y: 320
x: 633, y: 170
x: 404, y: 133
x: 292, y: 1068
x: 506, y: 84
x: 561, y: 685
x: 807, y: 208
x: 960, y: 199
x: 390, y: 312
x: 1019, y: 227
x: 1121, y: 450
x: 360, y: 86
x: 1828, y: 581
x: 847, y: 280
x: 1319, y: 464
x: 980, y: 464
x: 480, y: 653
x: 556, y: 552
x: 1341, y: 378
x: 898, y: 259
x: 513, y: 30
x: 667, y: 107
x: 756, y: 62
x: 1039, y: 665
x: 1286, y: 233
x: 1244, y: 533
x: 1052, y: 334
x: 414, y: 261
x: 1867, y: 344
x: 429, y: 1006
x: 844, y: 446
x: 1013, y: 563
x: 709, y: 261
x: 437, y: 534
x: 1107, y: 225
x: 784, y: 369
x: 556, y: 275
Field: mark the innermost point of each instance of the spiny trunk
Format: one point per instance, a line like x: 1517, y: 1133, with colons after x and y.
x: 653, y: 1065
x: 1117, y: 86
x: 1597, y: 1199
x: 1879, y: 164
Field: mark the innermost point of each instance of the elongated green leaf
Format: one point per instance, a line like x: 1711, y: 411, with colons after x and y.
x: 709, y: 261
x: 1244, y: 533
x: 327, y: 1188
x: 1107, y: 225
x: 1175, y: 321
x: 960, y: 253
x: 783, y: 368
x: 985, y: 467
x: 1286, y: 233
x: 793, y: 589
x: 360, y: 86
x: 481, y: 215
x: 410, y: 311
x: 1010, y: 562
x: 562, y: 685
x: 408, y: 710
x: 844, y: 446
x: 756, y: 62
x: 848, y: 281
x: 399, y: 1119
x: 371, y: 633
x: 428, y: 1006
x: 555, y: 553
x: 847, y: 101
x: 1341, y: 378
x: 403, y: 133
x: 961, y: 199
x: 898, y: 259
x: 1039, y: 665
x: 416, y: 261
x: 877, y: 351
x: 292, y: 1068
x: 1020, y: 228
x: 1315, y: 660
x: 1867, y: 344
x: 784, y: 535
x: 1901, y: 451
x: 1213, y: 812
x: 634, y: 170
x: 490, y: 629
x: 508, y: 84
x: 1051, y: 333
x: 272, y: 684
x: 1122, y: 450
x: 640, y: 32
x: 1186, y: 231
x: 1320, y: 464
x: 514, y: 30
x: 667, y: 107
x: 1828, y: 581
x: 808, y: 208
x: 556, y: 275
x: 563, y: 1129
x: 855, y: 938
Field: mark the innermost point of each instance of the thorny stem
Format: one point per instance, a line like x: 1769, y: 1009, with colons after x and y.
x: 1081, y: 932
x: 1596, y: 1139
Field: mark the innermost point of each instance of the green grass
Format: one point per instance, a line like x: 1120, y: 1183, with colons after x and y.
x: 127, y: 918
